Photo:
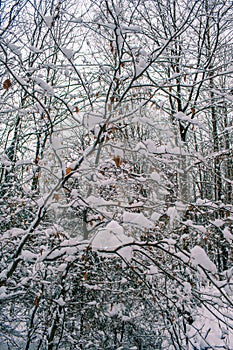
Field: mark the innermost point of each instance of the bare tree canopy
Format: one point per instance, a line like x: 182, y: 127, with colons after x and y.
x: 116, y: 175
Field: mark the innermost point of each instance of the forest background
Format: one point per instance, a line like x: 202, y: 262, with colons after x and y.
x: 116, y: 174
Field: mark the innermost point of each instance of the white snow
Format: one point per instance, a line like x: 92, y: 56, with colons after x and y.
x: 3, y: 291
x: 61, y: 267
x: 48, y: 20
x: 43, y: 85
x: 77, y: 20
x: 119, y: 38
x: 21, y: 80
x: 152, y: 270
x: 155, y: 216
x: 143, y: 63
x: 229, y: 98
x: 140, y: 147
x: 137, y: 219
x: 28, y: 256
x: 52, y: 255
x: 95, y: 202
x: 218, y: 222
x: 187, y: 288
x: 228, y: 235
x: 91, y: 120
x: 151, y: 146
x: 69, y: 53
x: 116, y: 309
x: 160, y: 150
x: 15, y: 49
x: 180, y: 206
x: 56, y: 143
x: 15, y: 231
x: 34, y: 49
x: 173, y: 215
x: 199, y: 257
x: 213, y: 334
x: 60, y: 301
x: 110, y: 237
x: 181, y: 116
x: 199, y: 228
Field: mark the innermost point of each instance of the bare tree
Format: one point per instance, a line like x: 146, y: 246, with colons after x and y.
x: 115, y: 175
